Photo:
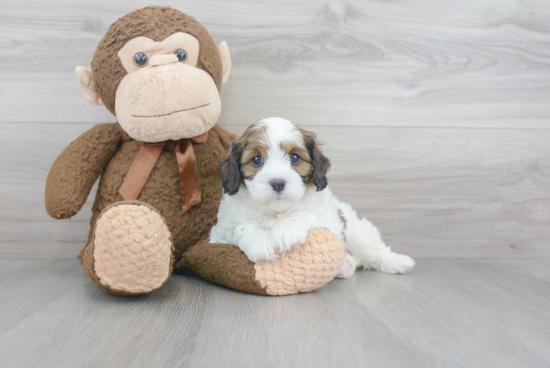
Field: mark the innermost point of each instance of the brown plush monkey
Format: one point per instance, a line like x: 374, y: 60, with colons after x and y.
x: 160, y: 72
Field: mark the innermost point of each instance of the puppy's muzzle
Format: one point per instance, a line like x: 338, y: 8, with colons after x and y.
x: 278, y: 185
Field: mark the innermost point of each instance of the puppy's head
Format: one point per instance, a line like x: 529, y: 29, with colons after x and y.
x: 274, y: 161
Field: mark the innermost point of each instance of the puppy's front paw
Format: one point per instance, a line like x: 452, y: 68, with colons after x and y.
x: 260, y: 250
x: 288, y: 237
x: 397, y: 263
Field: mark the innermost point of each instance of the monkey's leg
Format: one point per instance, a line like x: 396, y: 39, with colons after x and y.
x: 131, y: 250
x: 300, y: 270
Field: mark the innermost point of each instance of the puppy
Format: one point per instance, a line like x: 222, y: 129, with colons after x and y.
x: 275, y: 185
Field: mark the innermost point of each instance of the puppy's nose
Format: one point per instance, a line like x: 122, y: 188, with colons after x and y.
x: 278, y: 185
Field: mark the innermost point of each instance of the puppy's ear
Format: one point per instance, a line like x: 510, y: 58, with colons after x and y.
x: 320, y: 162
x: 229, y: 169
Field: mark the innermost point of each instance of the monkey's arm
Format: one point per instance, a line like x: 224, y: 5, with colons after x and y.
x: 303, y: 269
x: 76, y: 169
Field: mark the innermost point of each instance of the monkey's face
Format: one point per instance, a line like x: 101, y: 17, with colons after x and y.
x: 164, y: 95
x: 160, y: 72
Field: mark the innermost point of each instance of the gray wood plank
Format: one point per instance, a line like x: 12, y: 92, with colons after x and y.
x: 447, y: 193
x: 522, y: 283
x: 88, y: 327
x: 439, y: 193
x: 465, y: 313
x: 30, y: 284
x: 444, y: 313
x: 194, y: 323
x: 327, y: 328
x: 349, y: 62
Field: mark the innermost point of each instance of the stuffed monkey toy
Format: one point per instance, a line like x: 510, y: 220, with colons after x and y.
x: 159, y: 72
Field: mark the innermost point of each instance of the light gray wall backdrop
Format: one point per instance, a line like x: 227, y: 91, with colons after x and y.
x: 436, y: 114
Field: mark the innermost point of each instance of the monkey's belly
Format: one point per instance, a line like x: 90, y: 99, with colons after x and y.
x: 162, y: 191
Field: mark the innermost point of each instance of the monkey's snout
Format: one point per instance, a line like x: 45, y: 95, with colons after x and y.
x: 163, y: 59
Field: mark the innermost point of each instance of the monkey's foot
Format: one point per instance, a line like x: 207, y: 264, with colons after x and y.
x: 303, y: 269
x: 300, y: 270
x: 131, y: 252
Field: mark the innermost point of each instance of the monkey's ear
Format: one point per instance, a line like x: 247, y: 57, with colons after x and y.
x: 223, y: 49
x: 85, y: 80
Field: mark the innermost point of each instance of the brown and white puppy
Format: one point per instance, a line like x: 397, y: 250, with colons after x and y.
x: 275, y: 185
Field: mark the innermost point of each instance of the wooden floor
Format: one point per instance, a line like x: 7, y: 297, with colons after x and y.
x: 451, y: 313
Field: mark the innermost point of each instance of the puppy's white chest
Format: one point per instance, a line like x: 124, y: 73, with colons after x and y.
x: 269, y: 219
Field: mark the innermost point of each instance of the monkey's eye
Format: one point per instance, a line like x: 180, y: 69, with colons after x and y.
x: 294, y: 159
x: 140, y: 59
x: 257, y: 161
x: 181, y: 54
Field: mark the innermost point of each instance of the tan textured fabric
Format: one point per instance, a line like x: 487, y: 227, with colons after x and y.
x: 88, y: 259
x: 168, y: 102
x: 223, y: 50
x: 85, y: 80
x: 133, y: 249
x: 303, y: 269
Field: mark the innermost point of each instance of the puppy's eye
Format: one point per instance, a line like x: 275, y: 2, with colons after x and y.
x: 294, y: 159
x: 181, y: 54
x: 257, y: 161
x: 140, y: 59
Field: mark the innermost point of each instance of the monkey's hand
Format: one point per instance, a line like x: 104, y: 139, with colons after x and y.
x: 76, y: 169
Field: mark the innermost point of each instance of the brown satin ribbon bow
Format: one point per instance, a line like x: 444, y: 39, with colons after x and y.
x: 146, y: 159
